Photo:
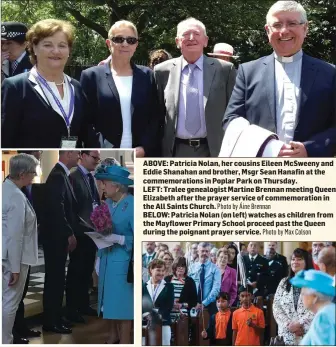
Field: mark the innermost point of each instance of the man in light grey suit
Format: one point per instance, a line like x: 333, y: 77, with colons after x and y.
x: 194, y: 91
x: 19, y: 238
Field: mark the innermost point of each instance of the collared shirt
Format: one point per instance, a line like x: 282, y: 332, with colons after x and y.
x: 21, y: 57
x: 246, y: 335
x: 212, y: 280
x: 222, y: 320
x: 67, y: 171
x: 253, y: 258
x: 181, y: 131
x: 287, y: 92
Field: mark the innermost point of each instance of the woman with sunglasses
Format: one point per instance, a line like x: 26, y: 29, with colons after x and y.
x: 122, y: 95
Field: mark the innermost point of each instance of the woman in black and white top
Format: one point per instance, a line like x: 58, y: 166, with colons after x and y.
x: 185, y: 293
x: 123, y: 96
x: 292, y: 318
x: 45, y: 108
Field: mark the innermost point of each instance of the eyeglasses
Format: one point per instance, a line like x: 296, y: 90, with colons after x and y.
x: 95, y: 158
x: 129, y: 39
x: 280, y: 26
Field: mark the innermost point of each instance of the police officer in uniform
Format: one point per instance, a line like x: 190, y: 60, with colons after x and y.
x: 14, y: 57
x: 275, y: 271
x: 257, y: 270
x: 279, y: 258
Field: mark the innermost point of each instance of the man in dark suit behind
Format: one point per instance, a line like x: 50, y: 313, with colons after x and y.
x: 194, y: 91
x: 14, y: 57
x: 257, y: 269
x: 279, y: 257
x: 83, y: 257
x: 58, y: 227
x: 288, y: 92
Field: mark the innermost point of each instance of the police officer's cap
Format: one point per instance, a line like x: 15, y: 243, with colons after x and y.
x: 14, y: 31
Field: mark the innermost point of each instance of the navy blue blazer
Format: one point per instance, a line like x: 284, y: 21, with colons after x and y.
x: 164, y: 302
x: 104, y: 102
x: 254, y: 96
x: 28, y: 121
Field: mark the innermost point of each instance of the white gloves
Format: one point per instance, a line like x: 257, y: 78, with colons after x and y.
x: 120, y: 239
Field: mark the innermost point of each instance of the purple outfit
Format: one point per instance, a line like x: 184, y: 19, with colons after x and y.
x: 229, y: 283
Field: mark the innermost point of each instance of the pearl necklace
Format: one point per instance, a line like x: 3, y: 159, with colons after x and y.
x: 59, y: 84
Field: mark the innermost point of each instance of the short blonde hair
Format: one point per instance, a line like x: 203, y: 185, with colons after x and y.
x: 190, y: 21
x: 46, y: 28
x: 120, y: 24
x: 286, y: 6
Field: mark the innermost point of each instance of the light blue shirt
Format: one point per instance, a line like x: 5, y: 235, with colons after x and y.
x: 212, y: 280
x: 181, y: 131
x: 287, y: 90
x: 322, y: 329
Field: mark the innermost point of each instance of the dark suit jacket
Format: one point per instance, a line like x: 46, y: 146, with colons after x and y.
x: 218, y: 81
x: 23, y: 66
x: 253, y: 98
x: 188, y: 293
x: 83, y: 195
x: 36, y: 198
x: 164, y: 302
x: 257, y: 272
x: 275, y: 272
x: 283, y: 261
x: 60, y: 219
x: 28, y: 121
x: 211, y: 331
x: 104, y: 102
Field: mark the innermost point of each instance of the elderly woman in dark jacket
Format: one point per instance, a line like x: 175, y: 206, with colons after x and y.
x: 185, y: 293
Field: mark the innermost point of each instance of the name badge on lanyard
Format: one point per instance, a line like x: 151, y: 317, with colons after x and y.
x: 66, y: 141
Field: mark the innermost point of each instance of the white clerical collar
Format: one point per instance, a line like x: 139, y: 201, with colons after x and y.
x: 297, y: 56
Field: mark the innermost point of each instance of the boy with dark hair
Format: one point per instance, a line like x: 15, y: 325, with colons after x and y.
x: 219, y: 331
x: 248, y: 322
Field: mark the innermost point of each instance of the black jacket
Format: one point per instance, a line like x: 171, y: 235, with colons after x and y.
x: 60, y: 219
x: 188, y: 293
x: 28, y: 121
x: 257, y: 272
x: 164, y: 302
x: 83, y: 194
x: 102, y: 94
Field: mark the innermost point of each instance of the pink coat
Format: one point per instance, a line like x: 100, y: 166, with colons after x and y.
x: 229, y: 283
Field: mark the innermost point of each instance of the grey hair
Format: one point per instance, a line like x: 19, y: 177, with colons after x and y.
x: 204, y: 245
x: 22, y: 164
x: 110, y: 161
x: 122, y: 24
x: 122, y: 187
x: 214, y: 250
x: 287, y: 6
x: 188, y: 21
x: 320, y: 296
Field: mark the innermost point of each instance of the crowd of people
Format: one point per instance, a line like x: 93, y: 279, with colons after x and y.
x: 78, y: 183
x: 176, y: 107
x: 233, y: 287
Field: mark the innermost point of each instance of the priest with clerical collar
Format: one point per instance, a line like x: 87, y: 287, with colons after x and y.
x: 288, y: 92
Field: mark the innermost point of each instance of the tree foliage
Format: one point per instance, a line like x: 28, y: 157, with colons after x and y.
x: 238, y: 22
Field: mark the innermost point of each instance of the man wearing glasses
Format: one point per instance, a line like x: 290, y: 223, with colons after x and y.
x: 288, y: 93
x: 83, y: 257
